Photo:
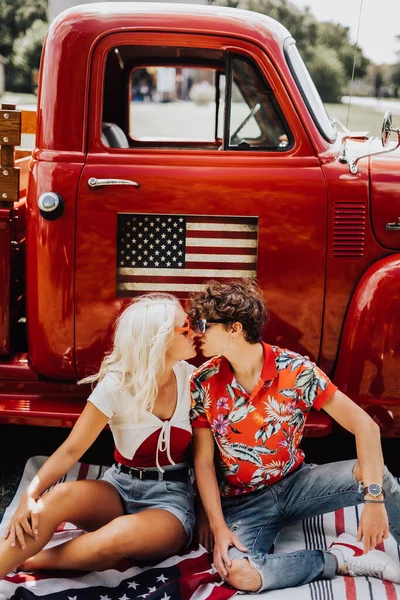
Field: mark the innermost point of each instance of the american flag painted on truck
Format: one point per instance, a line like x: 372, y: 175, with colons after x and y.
x: 178, y: 253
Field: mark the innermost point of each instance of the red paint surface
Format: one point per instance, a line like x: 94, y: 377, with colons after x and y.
x: 369, y: 359
x: 326, y: 300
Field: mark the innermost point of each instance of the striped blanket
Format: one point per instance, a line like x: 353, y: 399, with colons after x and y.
x: 190, y: 576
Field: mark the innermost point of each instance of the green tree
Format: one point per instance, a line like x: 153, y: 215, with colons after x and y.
x: 26, y: 55
x: 301, y: 24
x: 337, y: 37
x: 395, y: 79
x: 312, y: 37
x: 28, y: 48
x: 327, y: 72
x: 346, y: 55
x: 19, y: 19
x: 395, y: 74
x: 16, y: 17
x: 378, y: 81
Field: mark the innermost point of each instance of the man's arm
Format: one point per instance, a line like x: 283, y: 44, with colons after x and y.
x: 373, y: 526
x: 206, y: 479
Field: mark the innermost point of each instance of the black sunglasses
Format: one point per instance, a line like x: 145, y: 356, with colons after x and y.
x: 201, y: 324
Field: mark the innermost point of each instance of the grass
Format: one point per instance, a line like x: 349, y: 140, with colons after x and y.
x: 166, y: 120
x: 361, y: 119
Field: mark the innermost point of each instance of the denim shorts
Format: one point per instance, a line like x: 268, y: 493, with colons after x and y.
x: 176, y: 497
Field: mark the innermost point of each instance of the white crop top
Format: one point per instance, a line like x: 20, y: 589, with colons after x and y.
x: 128, y: 433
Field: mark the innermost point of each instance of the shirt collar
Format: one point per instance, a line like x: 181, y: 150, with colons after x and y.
x: 269, y: 370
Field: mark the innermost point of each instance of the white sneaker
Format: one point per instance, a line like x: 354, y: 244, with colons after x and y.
x: 374, y: 564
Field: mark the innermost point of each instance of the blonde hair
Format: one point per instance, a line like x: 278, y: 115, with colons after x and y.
x: 143, y: 332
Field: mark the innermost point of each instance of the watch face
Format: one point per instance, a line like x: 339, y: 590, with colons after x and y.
x: 374, y: 489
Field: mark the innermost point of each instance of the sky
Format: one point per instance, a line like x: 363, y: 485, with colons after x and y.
x: 380, y: 23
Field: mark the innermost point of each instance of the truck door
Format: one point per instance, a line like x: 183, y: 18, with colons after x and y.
x: 198, y: 167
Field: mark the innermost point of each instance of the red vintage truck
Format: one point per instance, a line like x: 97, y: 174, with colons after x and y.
x: 175, y: 144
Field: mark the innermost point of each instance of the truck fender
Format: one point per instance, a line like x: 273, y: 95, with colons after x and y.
x: 368, y: 362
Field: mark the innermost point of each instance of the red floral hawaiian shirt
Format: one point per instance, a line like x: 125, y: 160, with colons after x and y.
x: 258, y: 435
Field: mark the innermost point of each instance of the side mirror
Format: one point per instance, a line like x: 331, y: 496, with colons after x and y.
x: 386, y: 128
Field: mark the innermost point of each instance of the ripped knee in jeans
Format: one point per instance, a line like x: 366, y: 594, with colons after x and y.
x: 356, y: 479
x: 235, y: 526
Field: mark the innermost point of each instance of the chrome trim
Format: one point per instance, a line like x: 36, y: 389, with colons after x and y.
x: 48, y: 202
x: 387, y: 129
x: 353, y: 164
x: 393, y: 226
x: 94, y: 183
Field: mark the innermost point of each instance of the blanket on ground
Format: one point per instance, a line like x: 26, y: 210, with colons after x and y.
x: 190, y: 576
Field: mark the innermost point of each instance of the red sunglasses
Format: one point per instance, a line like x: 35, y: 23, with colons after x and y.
x: 185, y: 329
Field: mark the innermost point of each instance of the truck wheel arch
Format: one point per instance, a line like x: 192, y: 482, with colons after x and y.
x: 368, y: 360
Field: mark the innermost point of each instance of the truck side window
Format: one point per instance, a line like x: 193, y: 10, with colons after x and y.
x: 188, y: 98
x: 255, y: 118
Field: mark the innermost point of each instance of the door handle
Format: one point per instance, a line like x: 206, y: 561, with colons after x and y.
x: 94, y: 183
x: 394, y: 226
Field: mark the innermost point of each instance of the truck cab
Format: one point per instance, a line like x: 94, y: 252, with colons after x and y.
x: 177, y: 144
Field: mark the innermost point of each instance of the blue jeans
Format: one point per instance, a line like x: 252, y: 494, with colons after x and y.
x: 258, y: 517
x: 175, y: 497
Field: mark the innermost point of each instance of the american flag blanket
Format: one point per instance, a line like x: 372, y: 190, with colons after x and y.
x: 190, y: 576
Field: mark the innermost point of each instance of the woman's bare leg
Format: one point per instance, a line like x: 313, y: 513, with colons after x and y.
x: 87, y: 504
x: 150, y: 534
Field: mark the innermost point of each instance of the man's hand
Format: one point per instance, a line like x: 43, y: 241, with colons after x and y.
x: 374, y: 526
x: 25, y: 520
x: 224, y: 538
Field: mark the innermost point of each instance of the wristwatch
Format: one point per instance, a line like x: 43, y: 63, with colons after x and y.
x: 374, y: 490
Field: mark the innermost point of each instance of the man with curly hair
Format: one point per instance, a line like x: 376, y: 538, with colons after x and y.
x: 252, y: 400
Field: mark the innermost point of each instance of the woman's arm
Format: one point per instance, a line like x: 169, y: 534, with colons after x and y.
x: 86, y: 430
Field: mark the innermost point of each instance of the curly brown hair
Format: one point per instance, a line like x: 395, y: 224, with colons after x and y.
x: 240, y: 301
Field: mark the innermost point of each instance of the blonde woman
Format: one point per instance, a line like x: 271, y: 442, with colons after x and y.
x: 143, y: 393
